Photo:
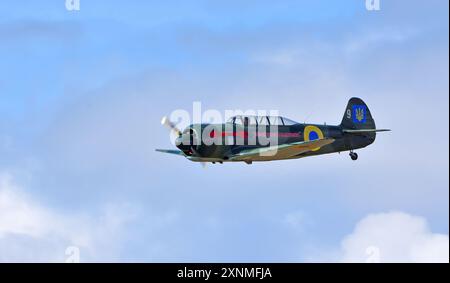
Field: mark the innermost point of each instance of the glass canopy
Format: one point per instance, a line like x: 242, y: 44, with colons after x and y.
x: 261, y: 120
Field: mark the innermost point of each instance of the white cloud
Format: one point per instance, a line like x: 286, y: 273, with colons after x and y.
x: 394, y: 237
x: 29, y: 232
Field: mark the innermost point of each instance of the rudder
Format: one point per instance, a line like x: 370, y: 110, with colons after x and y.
x: 357, y: 115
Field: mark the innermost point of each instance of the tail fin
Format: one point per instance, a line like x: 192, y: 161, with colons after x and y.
x: 357, y: 116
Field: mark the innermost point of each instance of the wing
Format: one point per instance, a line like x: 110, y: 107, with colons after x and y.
x: 281, y: 151
x: 171, y: 151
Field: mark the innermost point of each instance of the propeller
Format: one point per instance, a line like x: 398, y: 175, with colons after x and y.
x: 166, y: 122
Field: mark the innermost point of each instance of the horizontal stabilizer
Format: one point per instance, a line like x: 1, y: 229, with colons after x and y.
x: 362, y: 131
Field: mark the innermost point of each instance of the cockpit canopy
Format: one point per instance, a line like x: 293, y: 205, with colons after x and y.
x: 261, y: 120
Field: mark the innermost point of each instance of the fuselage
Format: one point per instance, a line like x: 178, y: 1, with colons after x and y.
x: 249, y: 138
x: 220, y: 141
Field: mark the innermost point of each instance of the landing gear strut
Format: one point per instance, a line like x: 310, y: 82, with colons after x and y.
x: 353, y: 155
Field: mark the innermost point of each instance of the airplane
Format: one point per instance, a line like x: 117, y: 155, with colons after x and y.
x: 245, y: 138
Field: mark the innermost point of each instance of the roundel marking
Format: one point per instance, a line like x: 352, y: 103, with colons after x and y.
x: 312, y: 133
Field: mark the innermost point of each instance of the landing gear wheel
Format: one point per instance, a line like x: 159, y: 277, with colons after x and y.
x: 353, y: 155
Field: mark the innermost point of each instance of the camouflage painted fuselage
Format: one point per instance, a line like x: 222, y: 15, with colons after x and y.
x: 266, y: 138
x: 232, y: 139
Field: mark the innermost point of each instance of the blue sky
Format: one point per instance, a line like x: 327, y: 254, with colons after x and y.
x: 82, y: 94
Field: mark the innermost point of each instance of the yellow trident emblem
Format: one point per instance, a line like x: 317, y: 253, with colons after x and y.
x: 359, y: 114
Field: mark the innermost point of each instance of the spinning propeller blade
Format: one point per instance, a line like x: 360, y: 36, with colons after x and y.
x: 166, y: 122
